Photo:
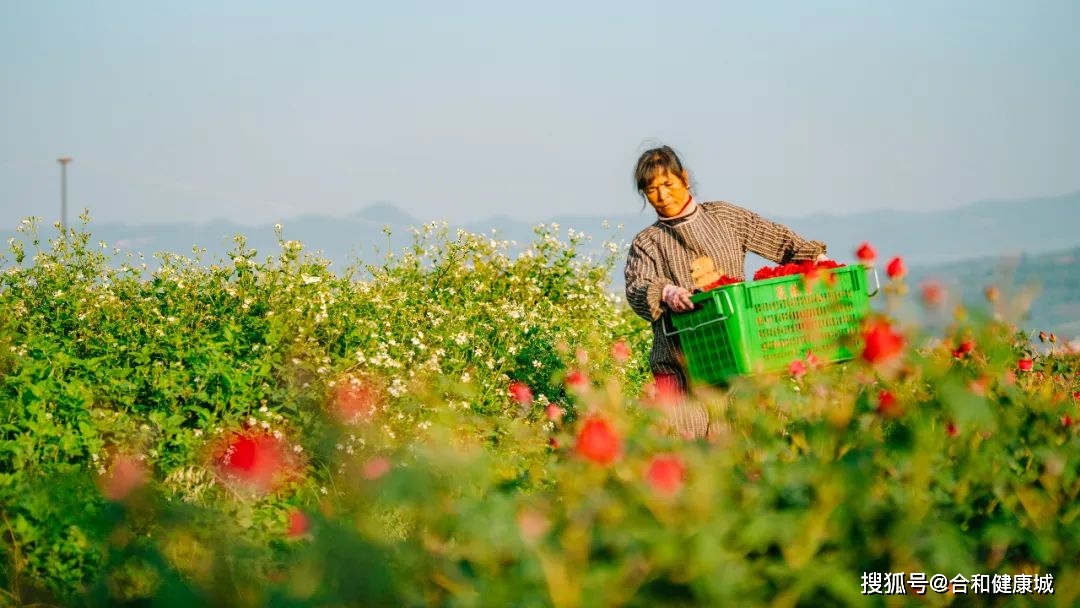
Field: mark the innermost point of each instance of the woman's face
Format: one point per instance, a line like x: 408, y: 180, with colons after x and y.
x: 668, y: 193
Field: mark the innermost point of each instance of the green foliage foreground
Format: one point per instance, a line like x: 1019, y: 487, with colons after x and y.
x: 263, y: 431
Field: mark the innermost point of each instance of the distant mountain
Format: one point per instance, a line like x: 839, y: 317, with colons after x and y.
x: 929, y: 241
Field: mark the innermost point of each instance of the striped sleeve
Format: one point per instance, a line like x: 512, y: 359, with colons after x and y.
x: 772, y: 241
x: 644, y: 282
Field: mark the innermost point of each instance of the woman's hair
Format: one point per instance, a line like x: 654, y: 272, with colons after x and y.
x: 654, y: 162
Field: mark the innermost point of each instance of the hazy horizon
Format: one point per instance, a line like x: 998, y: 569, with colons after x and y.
x: 262, y: 112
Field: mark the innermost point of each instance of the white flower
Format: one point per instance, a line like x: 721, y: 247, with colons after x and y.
x: 309, y: 279
x: 277, y: 227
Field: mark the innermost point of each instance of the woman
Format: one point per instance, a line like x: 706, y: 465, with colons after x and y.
x: 658, y: 266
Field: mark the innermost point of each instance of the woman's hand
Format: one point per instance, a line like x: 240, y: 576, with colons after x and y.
x: 677, y: 298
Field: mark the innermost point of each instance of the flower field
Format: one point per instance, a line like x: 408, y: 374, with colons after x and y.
x: 463, y: 425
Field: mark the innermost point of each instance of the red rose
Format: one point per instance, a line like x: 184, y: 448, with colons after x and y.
x: 577, y: 380
x: 554, y: 412
x: 620, y: 351
x: 881, y: 343
x: 1025, y: 365
x: 521, y: 393
x: 597, y: 441
x: 933, y: 294
x: 895, y: 268
x: 666, y: 474
x: 298, y: 523
x: 355, y: 399
x: 797, y: 368
x: 376, y: 467
x: 887, y: 405
x: 966, y: 348
x: 258, y: 461
x: 866, y: 254
x: 126, y: 475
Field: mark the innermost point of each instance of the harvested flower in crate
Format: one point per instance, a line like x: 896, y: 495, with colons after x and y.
x: 792, y: 268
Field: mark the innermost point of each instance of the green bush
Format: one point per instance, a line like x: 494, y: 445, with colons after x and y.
x: 264, y: 431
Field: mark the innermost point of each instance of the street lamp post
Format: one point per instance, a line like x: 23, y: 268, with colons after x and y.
x: 63, y: 191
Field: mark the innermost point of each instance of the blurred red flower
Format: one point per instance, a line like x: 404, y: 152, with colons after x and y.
x: 866, y: 254
x: 666, y: 473
x: 966, y: 348
x: 597, y: 441
x: 951, y: 430
x: 933, y: 294
x: 126, y: 475
x: 620, y: 351
x: 376, y: 467
x: 1025, y: 365
x: 554, y: 412
x: 882, y: 344
x: 797, y: 368
x: 521, y: 393
x: 355, y: 399
x: 258, y: 461
x: 577, y: 380
x: 887, y: 405
x: 664, y: 391
x: 298, y: 523
x: 895, y: 269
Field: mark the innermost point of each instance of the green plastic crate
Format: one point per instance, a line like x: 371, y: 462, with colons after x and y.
x: 762, y: 326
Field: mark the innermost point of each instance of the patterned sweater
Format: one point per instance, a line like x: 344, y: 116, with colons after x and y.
x: 661, y: 254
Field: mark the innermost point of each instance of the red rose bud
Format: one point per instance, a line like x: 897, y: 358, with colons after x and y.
x: 1053, y: 339
x: 866, y: 254
x: 1042, y: 337
x: 895, y: 269
x: 881, y: 343
x: 1066, y: 421
x: 620, y: 352
x: 951, y: 430
x: 1025, y: 365
x: 521, y: 393
x: 887, y: 406
x: 666, y: 474
x: 597, y: 441
x: 298, y: 523
x: 797, y: 368
x: 992, y: 294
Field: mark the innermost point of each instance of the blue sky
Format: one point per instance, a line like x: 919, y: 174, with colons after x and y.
x: 261, y: 111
